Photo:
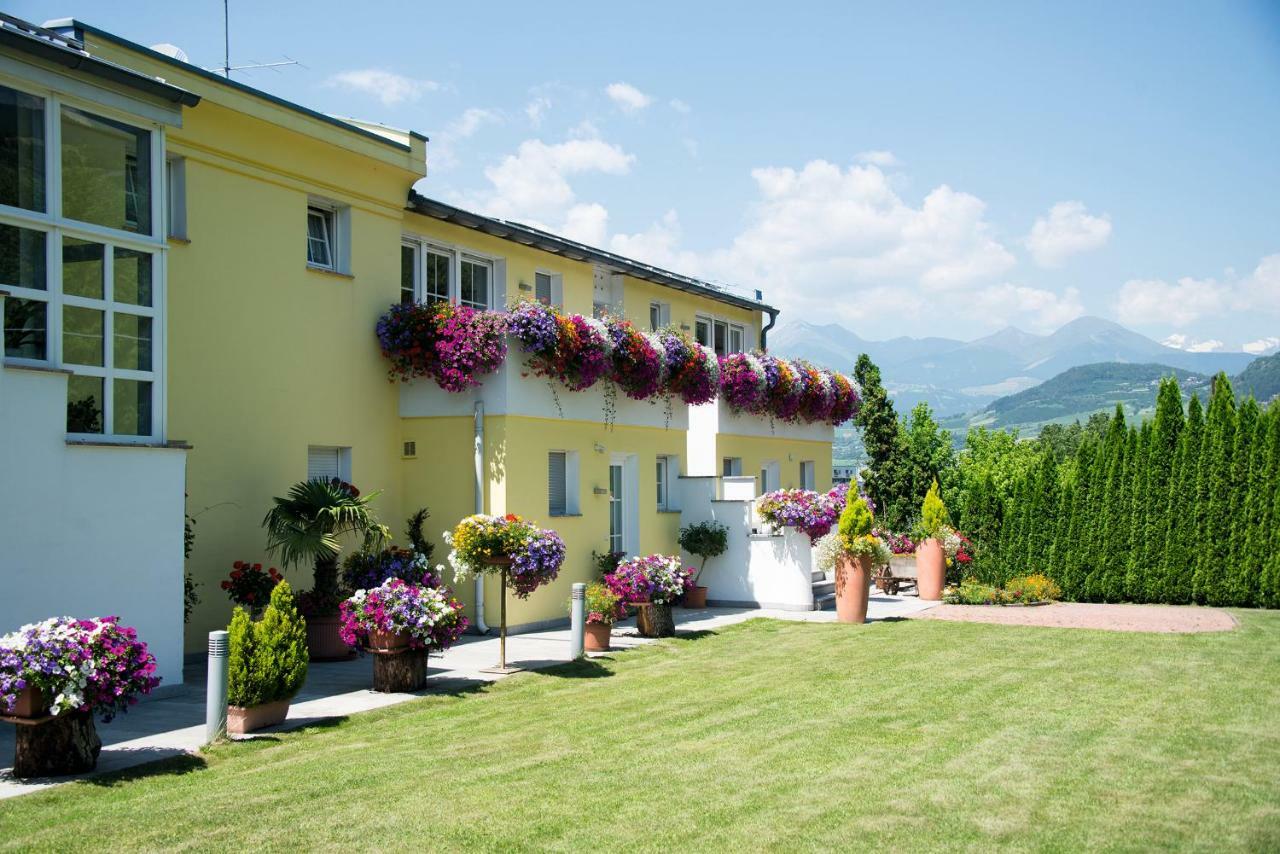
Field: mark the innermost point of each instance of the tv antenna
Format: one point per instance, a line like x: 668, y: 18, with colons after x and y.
x: 226, y: 68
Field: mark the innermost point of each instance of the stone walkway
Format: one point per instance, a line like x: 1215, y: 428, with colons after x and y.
x: 172, y: 724
x: 1178, y: 619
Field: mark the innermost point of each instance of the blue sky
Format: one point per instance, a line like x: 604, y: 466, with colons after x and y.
x: 900, y: 169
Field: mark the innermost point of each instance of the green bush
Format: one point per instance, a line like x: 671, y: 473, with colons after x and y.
x: 856, y: 520
x: 267, y: 660
x: 1032, y: 588
x: 973, y: 592
x: 933, y: 514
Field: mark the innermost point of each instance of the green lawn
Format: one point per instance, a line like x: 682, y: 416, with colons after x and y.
x: 907, y: 735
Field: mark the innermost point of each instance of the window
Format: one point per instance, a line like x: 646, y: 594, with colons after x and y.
x: 769, y: 477
x: 808, y: 475
x: 736, y: 338
x: 435, y: 274
x: 720, y: 335
x: 328, y: 461
x: 473, y: 286
x: 659, y: 315
x: 175, y: 170
x: 82, y: 298
x: 702, y: 331
x: 408, y: 273
x: 320, y: 233
x: 731, y: 467
x: 436, y: 285
x: 562, y: 483
x: 616, y: 539
x: 663, y: 481
x: 542, y: 288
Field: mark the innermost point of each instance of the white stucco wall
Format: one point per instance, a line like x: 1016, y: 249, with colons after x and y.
x: 87, y: 530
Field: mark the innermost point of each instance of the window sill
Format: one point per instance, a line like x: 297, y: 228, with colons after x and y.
x: 328, y: 272
x: 565, y: 515
x: 11, y: 365
x: 171, y: 445
x: 668, y: 510
x: 175, y: 238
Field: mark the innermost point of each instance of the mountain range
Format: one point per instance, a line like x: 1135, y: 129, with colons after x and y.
x: 956, y: 377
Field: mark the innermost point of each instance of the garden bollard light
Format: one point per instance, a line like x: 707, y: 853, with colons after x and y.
x: 577, y: 620
x: 215, y: 698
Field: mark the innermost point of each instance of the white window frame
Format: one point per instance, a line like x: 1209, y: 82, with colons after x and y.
x: 808, y: 475
x: 456, y: 256
x: 571, y: 492
x: 731, y: 467
x: 336, y: 218
x: 57, y: 227
x: 659, y: 315
x: 727, y: 328
x: 666, y: 470
x: 555, y: 282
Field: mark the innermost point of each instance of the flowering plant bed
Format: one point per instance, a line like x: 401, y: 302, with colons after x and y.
x: 814, y: 513
x: 817, y: 393
x: 453, y: 344
x: 531, y: 555
x: 742, y: 383
x: 249, y: 585
x: 364, y: 570
x: 92, y: 666
x: 637, y: 362
x: 603, y: 605
x: 692, y: 371
x: 1034, y: 589
x: 898, y: 544
x: 657, y: 579
x: 568, y: 348
x: 429, y: 617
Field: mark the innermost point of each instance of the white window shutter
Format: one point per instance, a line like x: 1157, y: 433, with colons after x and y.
x: 323, y: 462
x: 557, y: 492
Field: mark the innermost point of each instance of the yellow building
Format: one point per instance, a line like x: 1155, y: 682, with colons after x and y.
x: 269, y: 239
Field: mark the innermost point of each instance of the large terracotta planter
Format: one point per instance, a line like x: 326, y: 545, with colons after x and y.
x: 696, y: 598
x: 30, y: 704
x: 245, y: 719
x: 931, y: 569
x: 654, y: 620
x: 595, y: 637
x: 324, y: 643
x: 853, y: 588
x: 388, y: 641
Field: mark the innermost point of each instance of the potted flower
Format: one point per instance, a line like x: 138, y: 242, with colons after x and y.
x: 250, y: 586
x: 637, y: 360
x: 706, y: 540
x: 692, y: 371
x: 742, y: 383
x: 604, y: 608
x: 266, y: 663
x: 653, y: 583
x: 931, y: 563
x: 812, y: 512
x: 305, y: 526
x: 65, y: 671
x: 524, y: 556
x: 859, y: 551
x: 401, y: 615
x: 453, y: 344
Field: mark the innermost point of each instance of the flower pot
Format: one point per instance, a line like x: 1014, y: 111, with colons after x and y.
x: 696, y: 598
x: 931, y: 569
x: 654, y: 620
x: 853, y: 588
x: 30, y: 704
x: 596, y: 637
x: 244, y: 719
x: 497, y: 561
x: 388, y: 641
x: 324, y: 643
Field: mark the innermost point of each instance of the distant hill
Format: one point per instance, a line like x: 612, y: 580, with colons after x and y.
x: 1261, y: 378
x: 957, y: 377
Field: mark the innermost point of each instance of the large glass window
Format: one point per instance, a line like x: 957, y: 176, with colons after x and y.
x: 473, y: 286
x: 436, y: 285
x: 106, y: 172
x: 320, y: 237
x: 444, y: 275
x: 22, y: 183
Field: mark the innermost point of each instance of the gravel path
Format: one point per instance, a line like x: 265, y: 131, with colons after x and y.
x: 1087, y: 615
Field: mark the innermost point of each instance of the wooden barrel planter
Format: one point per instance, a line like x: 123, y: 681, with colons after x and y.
x: 399, y: 671
x: 55, y: 745
x: 655, y: 620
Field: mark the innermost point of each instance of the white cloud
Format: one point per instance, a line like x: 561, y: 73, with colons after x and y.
x: 1068, y: 230
x: 680, y: 106
x: 1152, y: 301
x: 1262, y: 346
x: 387, y: 86
x: 627, y: 97
x: 1040, y: 310
x: 444, y: 143
x: 1183, y: 341
x: 536, y: 109
x: 878, y: 157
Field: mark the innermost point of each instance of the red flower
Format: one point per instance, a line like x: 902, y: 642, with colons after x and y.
x: 226, y: 585
x: 257, y: 567
x: 237, y: 565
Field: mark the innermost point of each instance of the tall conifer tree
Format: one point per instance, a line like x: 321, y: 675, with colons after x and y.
x: 1161, y: 460
x: 1209, y: 582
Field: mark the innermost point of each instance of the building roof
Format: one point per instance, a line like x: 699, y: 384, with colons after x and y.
x: 78, y: 28
x: 556, y: 245
x: 70, y: 52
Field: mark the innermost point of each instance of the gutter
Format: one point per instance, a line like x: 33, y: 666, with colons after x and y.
x: 764, y: 333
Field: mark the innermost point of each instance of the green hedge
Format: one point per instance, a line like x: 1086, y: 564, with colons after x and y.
x: 267, y: 660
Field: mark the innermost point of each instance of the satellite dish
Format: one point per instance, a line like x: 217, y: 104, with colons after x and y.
x: 171, y: 50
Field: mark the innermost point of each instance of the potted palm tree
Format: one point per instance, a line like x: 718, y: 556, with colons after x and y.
x: 305, y: 526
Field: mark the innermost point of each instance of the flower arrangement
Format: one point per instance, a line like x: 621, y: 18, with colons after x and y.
x: 812, y: 512
x: 483, y: 543
x: 743, y: 383
x: 603, y: 606
x: 1024, y: 590
x: 660, y: 579
x: 249, y: 585
x: 637, y: 363
x: 855, y: 532
x: 817, y: 392
x: 692, y: 371
x: 783, y: 391
x: 94, y: 665
x: 955, y: 545
x: 454, y: 344
x: 846, y: 402
x: 364, y: 570
x: 568, y: 348
x: 898, y: 544
x: 430, y: 617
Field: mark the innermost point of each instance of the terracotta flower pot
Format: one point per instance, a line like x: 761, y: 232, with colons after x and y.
x: 30, y: 704
x: 931, y: 569
x: 324, y: 643
x: 596, y: 637
x: 696, y: 598
x: 654, y: 620
x: 853, y: 588
x: 388, y: 641
x: 244, y: 719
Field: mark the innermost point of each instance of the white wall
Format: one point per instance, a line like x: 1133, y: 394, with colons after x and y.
x: 87, y: 530
x: 716, y: 418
